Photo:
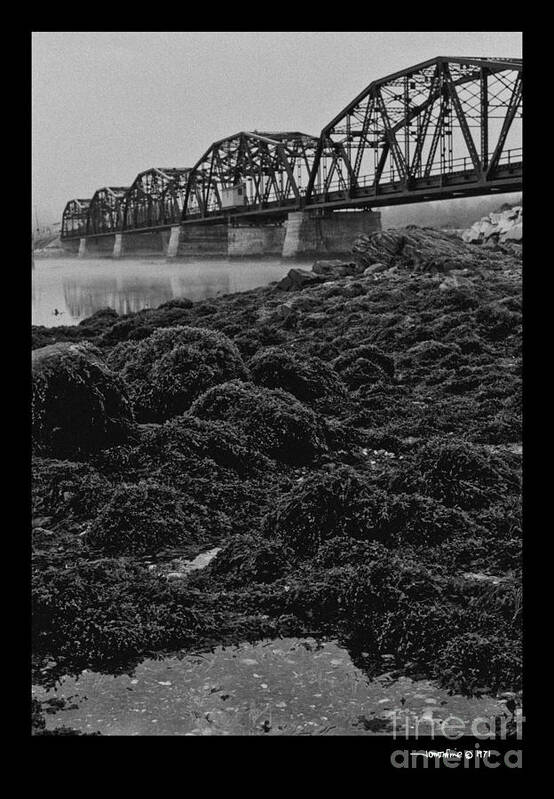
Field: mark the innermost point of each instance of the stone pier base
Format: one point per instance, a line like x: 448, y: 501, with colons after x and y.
x: 310, y: 234
x: 97, y: 246
x: 256, y: 240
x: 204, y: 240
x: 305, y: 234
x: 136, y: 245
x: 174, y: 240
x: 118, y: 246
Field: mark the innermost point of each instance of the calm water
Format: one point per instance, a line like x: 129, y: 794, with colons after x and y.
x: 78, y: 288
x: 287, y: 686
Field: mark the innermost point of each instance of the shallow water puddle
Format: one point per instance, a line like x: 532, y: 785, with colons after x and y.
x: 178, y: 568
x: 286, y: 686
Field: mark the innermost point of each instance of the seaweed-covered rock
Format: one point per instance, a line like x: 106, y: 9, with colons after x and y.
x: 433, y: 352
x: 472, y: 661
x: 170, y: 368
x: 498, y: 320
x: 100, y: 319
x: 457, y: 473
x: 67, y: 490
x: 335, y: 269
x: 79, y: 405
x: 309, y: 379
x: 371, y: 353
x: 275, y: 421
x: 417, y: 520
x: 147, y: 517
x: 177, y: 302
x: 246, y: 559
x: 364, y: 365
x: 328, y: 505
x: 298, y: 279
x: 422, y: 248
x: 193, y: 443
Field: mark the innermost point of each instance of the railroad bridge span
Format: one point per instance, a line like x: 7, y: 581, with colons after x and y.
x: 445, y: 128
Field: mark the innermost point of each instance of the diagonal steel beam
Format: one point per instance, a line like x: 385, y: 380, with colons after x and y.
x: 468, y: 138
x: 514, y: 104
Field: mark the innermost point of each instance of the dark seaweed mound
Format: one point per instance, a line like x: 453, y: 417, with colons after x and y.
x: 364, y: 366
x: 310, y: 380
x: 148, y: 517
x: 167, y: 370
x: 274, y: 420
x: 365, y: 485
x: 78, y: 404
x: 251, y: 559
x: 457, y: 473
x: 326, y: 505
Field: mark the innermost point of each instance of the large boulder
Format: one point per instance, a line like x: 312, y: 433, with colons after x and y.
x: 79, y: 405
x: 506, y: 225
x: 515, y: 233
x: 335, y: 269
x: 169, y: 369
x: 272, y: 420
x: 423, y: 249
x: 298, y: 279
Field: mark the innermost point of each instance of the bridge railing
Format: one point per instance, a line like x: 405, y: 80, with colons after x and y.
x: 453, y: 167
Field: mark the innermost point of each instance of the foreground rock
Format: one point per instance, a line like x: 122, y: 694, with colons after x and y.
x: 421, y: 249
x: 335, y: 269
x: 276, y: 422
x: 298, y: 279
x: 78, y: 404
x: 170, y: 368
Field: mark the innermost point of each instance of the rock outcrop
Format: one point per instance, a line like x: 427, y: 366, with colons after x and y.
x: 497, y: 227
x: 420, y: 249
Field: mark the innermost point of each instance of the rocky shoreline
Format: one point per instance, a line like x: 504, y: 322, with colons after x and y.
x: 348, y: 439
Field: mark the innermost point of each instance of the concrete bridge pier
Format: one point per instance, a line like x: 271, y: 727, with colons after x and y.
x: 203, y: 240
x: 118, y: 247
x: 174, y: 241
x: 137, y: 244
x: 256, y: 240
x: 314, y: 234
x: 97, y: 246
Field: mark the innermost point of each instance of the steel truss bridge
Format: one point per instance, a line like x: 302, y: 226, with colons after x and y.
x: 448, y: 127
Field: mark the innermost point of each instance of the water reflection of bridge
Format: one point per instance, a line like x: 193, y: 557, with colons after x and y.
x: 86, y: 295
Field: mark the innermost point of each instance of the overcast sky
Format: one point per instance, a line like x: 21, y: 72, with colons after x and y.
x: 109, y: 105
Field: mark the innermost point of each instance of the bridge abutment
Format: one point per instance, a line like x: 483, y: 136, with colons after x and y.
x: 312, y: 234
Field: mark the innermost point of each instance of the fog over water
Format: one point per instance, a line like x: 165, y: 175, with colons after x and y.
x: 78, y: 288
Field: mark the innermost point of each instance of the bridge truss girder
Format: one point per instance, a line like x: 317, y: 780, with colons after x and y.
x: 156, y: 198
x: 105, y: 213
x: 271, y: 169
x: 74, y: 219
x: 438, y: 118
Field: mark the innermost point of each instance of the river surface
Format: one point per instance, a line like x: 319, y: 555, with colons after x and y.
x: 287, y: 686
x: 79, y: 287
